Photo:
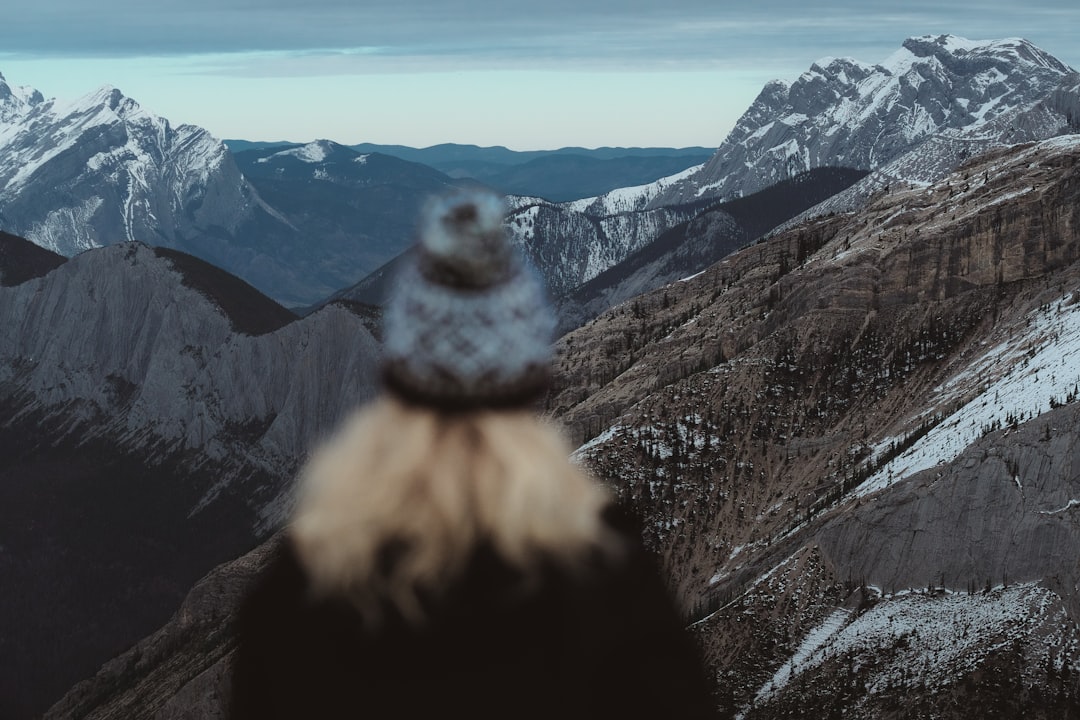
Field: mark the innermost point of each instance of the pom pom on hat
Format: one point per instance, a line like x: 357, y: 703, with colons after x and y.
x: 468, y: 325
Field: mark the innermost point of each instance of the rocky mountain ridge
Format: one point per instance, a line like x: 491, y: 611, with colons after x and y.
x: 124, y: 316
x: 962, y: 96
x: 856, y: 408
x: 847, y: 113
x: 153, y: 410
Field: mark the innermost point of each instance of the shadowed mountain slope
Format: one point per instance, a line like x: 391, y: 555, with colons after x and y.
x: 153, y: 410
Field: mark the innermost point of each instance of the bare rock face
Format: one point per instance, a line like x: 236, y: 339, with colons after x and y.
x: 1005, y: 511
x: 153, y: 411
x: 115, y: 344
x: 571, y: 243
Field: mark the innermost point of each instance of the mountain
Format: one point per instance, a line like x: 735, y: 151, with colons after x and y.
x: 592, y: 262
x: 561, y: 178
x: 354, y: 210
x: 305, y: 223
x: 694, y: 245
x: 153, y: 410
x: 855, y: 437
x: 846, y: 113
x: 571, y: 243
x: 102, y: 170
x: 559, y: 175
x: 17, y: 101
x: 847, y: 439
x: 854, y: 446
x: 930, y: 106
x: 447, y: 156
x: 566, y: 246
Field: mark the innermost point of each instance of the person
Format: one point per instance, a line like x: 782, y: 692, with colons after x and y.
x: 446, y: 557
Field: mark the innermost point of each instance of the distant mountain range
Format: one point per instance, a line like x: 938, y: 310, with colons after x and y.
x: 102, y: 169
x: 569, y: 173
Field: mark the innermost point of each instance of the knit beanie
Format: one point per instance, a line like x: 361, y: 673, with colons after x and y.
x: 467, y: 324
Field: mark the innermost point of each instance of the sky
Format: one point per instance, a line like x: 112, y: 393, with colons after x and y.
x: 531, y: 75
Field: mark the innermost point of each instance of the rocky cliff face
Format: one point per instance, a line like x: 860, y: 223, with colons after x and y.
x: 117, y: 343
x: 692, y: 246
x: 153, y: 410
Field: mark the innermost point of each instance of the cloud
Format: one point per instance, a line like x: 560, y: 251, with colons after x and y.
x: 345, y: 36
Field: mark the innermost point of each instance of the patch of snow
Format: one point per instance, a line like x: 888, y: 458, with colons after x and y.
x: 66, y: 230
x: 1015, y: 379
x: 691, y: 277
x: 579, y: 454
x: 313, y: 152
x: 629, y: 198
x: 1069, y: 506
x: 812, y: 644
x: 918, y: 639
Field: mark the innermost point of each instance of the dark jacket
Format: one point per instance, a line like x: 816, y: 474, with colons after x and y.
x: 603, y: 643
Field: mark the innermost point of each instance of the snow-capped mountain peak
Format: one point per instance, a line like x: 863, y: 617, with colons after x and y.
x: 90, y: 171
x: 1016, y: 50
x: 16, y: 101
x: 845, y: 112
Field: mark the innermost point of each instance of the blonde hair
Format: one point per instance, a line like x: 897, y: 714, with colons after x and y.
x: 434, y: 485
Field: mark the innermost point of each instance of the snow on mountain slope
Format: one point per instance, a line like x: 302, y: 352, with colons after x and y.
x: 1022, y: 374
x: 844, y: 112
x: 313, y: 152
x: 102, y: 169
x: 571, y: 243
x: 629, y: 199
x: 16, y: 101
x: 1014, y: 381
x: 911, y: 640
